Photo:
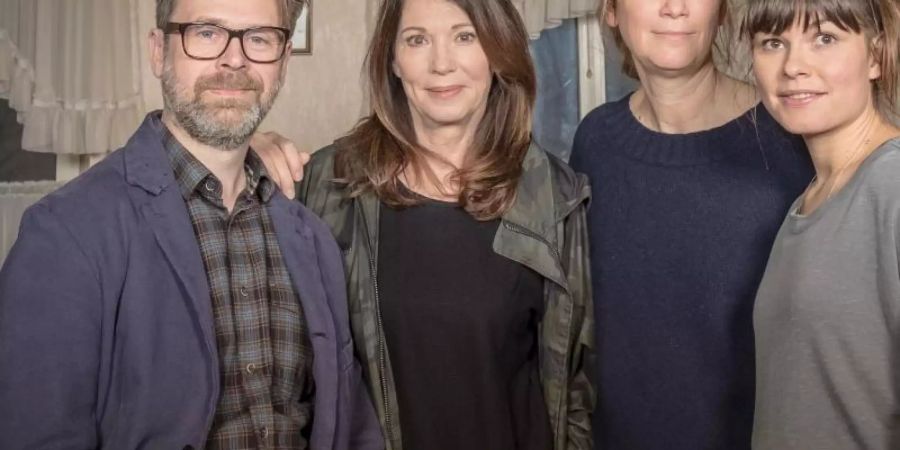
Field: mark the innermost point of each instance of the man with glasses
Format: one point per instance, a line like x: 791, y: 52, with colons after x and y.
x: 171, y: 297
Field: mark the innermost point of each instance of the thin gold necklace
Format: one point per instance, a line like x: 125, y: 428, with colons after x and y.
x: 840, y: 171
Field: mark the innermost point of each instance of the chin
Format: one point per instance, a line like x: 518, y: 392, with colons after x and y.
x: 805, y: 126
x: 447, y: 117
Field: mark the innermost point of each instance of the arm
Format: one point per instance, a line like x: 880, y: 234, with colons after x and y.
x: 49, y: 339
x: 580, y: 395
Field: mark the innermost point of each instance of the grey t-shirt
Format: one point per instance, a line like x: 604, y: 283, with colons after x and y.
x: 827, y: 320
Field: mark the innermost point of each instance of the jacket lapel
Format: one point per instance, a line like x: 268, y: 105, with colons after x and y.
x: 528, y: 234
x: 298, y: 247
x: 160, y: 203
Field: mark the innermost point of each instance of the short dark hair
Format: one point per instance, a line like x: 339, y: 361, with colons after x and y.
x: 290, y: 11
x: 879, y: 20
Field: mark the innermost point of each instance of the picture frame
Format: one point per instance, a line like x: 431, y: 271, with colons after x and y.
x: 301, y: 40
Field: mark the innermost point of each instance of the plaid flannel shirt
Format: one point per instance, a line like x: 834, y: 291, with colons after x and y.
x: 265, y: 356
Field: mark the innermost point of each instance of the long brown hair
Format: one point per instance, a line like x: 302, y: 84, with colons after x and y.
x: 378, y: 150
x: 879, y: 20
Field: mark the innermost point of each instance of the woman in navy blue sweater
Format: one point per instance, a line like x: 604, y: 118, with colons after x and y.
x: 691, y: 179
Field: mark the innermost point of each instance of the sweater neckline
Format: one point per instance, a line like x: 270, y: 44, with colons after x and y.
x: 799, y: 223
x: 636, y: 141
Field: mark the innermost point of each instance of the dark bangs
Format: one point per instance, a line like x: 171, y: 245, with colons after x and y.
x: 776, y: 16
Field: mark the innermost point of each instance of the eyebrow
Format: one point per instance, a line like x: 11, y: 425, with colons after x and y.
x: 222, y: 23
x: 422, y: 29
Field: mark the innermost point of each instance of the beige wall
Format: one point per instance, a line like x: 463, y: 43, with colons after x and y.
x: 322, y: 96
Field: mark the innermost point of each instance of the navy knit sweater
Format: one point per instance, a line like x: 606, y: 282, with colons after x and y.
x: 681, y: 228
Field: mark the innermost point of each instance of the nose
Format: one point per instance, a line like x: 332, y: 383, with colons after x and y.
x: 674, y: 8
x: 443, y: 60
x: 795, y: 64
x: 234, y: 57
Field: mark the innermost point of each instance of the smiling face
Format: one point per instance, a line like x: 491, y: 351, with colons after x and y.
x: 667, y: 36
x: 815, y: 80
x: 445, y: 73
x: 218, y: 102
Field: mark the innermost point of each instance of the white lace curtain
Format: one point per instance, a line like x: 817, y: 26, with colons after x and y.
x: 70, y: 69
x: 539, y: 15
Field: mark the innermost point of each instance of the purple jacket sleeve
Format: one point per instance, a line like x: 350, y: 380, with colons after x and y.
x: 50, y: 310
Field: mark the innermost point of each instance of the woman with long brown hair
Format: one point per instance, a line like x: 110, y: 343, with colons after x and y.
x: 464, y: 243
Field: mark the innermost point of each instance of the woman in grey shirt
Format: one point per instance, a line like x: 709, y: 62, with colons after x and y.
x: 827, y: 314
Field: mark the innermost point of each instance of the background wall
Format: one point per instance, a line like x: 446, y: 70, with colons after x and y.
x: 322, y: 96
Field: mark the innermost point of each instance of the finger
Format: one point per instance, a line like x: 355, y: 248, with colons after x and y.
x: 304, y: 158
x: 295, y: 158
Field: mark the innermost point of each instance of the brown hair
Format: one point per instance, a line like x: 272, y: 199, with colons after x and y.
x: 378, y: 150
x: 723, y: 45
x: 877, y: 19
x: 289, y: 9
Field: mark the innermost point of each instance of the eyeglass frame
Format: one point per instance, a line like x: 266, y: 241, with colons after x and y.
x: 179, y: 27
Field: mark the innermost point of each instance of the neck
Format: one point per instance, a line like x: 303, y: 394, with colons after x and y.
x: 448, y: 148
x: 226, y: 164
x: 844, y: 147
x: 451, y: 143
x: 690, y: 102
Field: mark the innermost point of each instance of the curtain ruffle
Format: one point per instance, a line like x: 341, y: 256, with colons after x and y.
x: 539, y: 15
x: 70, y: 71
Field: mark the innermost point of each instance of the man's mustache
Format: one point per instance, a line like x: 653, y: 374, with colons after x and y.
x: 227, y: 81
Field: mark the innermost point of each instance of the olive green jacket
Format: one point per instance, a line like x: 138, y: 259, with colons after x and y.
x: 545, y: 230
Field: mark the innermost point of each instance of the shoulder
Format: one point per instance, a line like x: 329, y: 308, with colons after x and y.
x: 603, y: 125
x: 568, y: 186
x: 323, y: 159
x: 595, y: 122
x: 318, y: 176
x: 322, y: 194
x: 881, y: 172
x: 95, y: 194
x: 92, y: 213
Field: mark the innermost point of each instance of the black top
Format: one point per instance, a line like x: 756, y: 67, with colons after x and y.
x: 681, y: 229
x: 461, y: 325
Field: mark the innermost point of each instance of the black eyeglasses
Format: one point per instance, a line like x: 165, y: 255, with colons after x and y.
x: 206, y: 41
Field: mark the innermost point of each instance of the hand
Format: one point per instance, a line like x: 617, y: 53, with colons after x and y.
x: 282, y: 159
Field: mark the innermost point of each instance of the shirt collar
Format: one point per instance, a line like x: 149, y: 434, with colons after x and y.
x: 190, y: 173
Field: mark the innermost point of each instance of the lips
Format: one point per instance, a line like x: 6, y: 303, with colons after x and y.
x: 673, y: 34
x: 798, y: 98
x: 444, y: 91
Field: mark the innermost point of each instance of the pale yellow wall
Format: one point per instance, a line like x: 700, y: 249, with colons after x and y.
x: 322, y: 96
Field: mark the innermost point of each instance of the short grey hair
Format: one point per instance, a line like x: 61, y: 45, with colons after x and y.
x: 290, y: 11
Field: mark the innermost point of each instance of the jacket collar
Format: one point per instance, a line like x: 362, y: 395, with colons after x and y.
x: 146, y: 163
x: 534, y: 208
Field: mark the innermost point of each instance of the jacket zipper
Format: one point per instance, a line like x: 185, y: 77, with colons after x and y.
x: 382, y: 359
x: 524, y: 231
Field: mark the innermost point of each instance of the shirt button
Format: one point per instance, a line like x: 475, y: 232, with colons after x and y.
x: 244, y: 292
x: 210, y: 185
x: 250, y: 368
x: 264, y: 432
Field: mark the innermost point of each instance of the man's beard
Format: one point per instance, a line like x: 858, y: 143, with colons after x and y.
x: 225, y: 123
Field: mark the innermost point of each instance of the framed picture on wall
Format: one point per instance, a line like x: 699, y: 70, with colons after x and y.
x: 301, y: 41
